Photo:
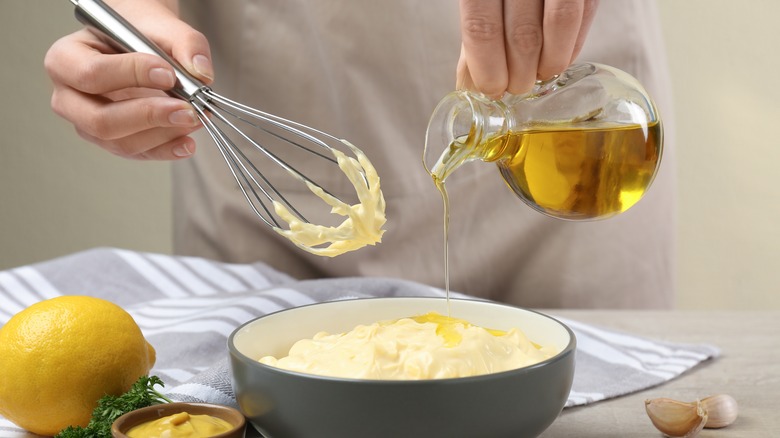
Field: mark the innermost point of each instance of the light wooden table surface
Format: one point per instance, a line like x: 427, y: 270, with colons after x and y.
x: 748, y: 370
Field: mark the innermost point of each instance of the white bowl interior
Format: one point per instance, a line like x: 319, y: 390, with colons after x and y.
x: 274, y: 334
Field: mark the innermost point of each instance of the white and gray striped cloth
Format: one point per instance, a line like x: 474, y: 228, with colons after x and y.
x: 187, y: 307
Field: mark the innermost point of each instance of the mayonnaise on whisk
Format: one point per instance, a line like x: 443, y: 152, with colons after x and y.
x: 430, y: 346
x: 363, y: 223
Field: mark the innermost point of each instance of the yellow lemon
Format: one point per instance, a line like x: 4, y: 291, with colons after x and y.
x: 60, y: 356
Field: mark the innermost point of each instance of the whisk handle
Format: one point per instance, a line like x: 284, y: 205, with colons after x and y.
x: 106, y: 22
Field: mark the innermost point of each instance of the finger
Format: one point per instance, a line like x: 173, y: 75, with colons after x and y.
x: 463, y: 77
x: 77, y: 62
x: 186, y: 45
x: 106, y: 119
x: 524, y: 37
x: 561, y: 25
x: 189, y: 48
x: 177, y: 149
x: 153, y: 144
x: 482, y: 28
x: 589, y: 13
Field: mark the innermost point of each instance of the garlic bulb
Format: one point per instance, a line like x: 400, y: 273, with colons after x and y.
x: 685, y: 420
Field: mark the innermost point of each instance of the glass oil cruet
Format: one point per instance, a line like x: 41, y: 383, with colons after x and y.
x: 584, y: 145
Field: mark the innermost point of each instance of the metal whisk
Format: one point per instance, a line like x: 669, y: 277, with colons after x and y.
x: 225, y: 119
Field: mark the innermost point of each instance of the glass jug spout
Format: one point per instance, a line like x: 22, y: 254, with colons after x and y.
x: 461, y: 123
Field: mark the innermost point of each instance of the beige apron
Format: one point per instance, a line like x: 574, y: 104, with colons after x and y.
x: 372, y: 72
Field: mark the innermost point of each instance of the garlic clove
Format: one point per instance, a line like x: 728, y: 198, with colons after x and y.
x: 722, y: 410
x: 675, y: 418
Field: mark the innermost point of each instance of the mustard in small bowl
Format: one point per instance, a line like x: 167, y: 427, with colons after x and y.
x: 181, y: 420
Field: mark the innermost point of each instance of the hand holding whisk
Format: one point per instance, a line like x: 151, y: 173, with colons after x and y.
x: 275, y: 141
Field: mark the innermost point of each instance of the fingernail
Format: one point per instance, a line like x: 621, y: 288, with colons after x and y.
x: 162, y: 77
x: 182, y: 150
x: 184, y: 117
x: 203, y: 66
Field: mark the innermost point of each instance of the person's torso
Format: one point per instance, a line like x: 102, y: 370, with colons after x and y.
x: 372, y: 72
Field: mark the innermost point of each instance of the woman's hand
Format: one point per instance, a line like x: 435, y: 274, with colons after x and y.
x: 117, y: 101
x: 509, y: 44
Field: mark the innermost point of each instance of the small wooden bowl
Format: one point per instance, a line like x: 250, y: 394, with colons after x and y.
x: 151, y: 413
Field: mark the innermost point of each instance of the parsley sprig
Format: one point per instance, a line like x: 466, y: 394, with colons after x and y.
x: 109, y: 408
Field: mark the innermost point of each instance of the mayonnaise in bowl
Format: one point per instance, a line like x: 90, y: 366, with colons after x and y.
x: 428, y: 346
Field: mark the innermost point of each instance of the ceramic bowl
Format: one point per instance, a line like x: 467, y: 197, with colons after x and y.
x: 139, y: 416
x: 285, y: 404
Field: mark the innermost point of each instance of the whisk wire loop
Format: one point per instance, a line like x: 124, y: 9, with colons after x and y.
x: 243, y: 169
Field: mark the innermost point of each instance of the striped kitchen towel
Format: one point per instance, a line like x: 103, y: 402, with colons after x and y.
x: 187, y: 307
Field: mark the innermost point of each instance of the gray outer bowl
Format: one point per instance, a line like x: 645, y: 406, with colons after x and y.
x: 284, y: 404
